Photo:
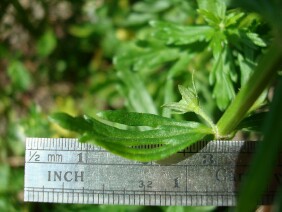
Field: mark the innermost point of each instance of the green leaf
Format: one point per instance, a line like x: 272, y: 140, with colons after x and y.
x: 167, y: 137
x: 269, y: 9
x: 137, y: 95
x: 223, y: 90
x: 216, y: 7
x: 221, y: 76
x: 142, y: 119
x: 181, y: 35
x: 178, y: 107
x: 137, y: 18
x: 254, y: 37
x: 139, y: 59
x: 190, y: 97
x: 189, y: 102
x: 253, y: 122
x: 264, y: 72
x: 217, y: 43
x: 19, y: 75
x: 261, y: 101
x: 249, y: 39
x: 210, y: 17
x: 150, y: 57
x: 233, y: 17
x: 78, y: 124
x: 169, y: 146
x: 179, y: 67
x: 151, y: 6
x: 246, y: 66
x: 46, y: 43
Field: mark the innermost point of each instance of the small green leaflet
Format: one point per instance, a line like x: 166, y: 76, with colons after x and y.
x: 188, y: 103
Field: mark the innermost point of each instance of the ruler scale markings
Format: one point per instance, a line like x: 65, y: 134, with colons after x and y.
x: 43, y: 145
x: 49, y: 144
x: 134, y: 198
x: 33, y: 194
x: 124, y: 196
x: 40, y: 144
x: 64, y: 144
x: 58, y: 143
x: 52, y: 144
x: 63, y: 192
x: 83, y: 194
x: 144, y: 195
x: 87, y: 151
x: 68, y: 146
x: 43, y: 192
x: 78, y: 193
x: 98, y: 197
x: 77, y: 146
x: 33, y: 145
x: 170, y: 203
x: 52, y: 194
x: 113, y: 193
x: 208, y: 176
x: 88, y: 197
x: 27, y: 144
x: 103, y: 193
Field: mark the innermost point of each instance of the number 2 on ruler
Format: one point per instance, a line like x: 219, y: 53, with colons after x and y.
x: 35, y: 156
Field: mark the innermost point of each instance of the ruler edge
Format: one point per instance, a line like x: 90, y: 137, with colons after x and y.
x: 198, y: 145
x: 75, y: 140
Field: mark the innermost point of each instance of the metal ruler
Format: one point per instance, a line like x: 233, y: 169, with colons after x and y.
x: 207, y: 173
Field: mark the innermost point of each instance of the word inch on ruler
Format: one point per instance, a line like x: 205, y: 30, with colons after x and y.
x: 207, y: 173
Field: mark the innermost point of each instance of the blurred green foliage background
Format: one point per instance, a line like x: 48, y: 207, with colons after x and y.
x: 57, y: 55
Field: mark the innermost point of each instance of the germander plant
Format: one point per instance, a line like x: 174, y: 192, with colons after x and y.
x: 241, y: 54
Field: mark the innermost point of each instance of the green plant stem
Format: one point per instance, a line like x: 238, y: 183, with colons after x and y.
x: 262, y: 76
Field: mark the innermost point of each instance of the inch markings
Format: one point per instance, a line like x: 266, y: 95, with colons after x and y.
x: 207, y: 173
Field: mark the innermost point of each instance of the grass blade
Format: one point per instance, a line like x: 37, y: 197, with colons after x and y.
x: 265, y: 158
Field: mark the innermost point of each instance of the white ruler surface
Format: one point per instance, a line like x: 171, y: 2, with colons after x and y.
x: 207, y: 173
